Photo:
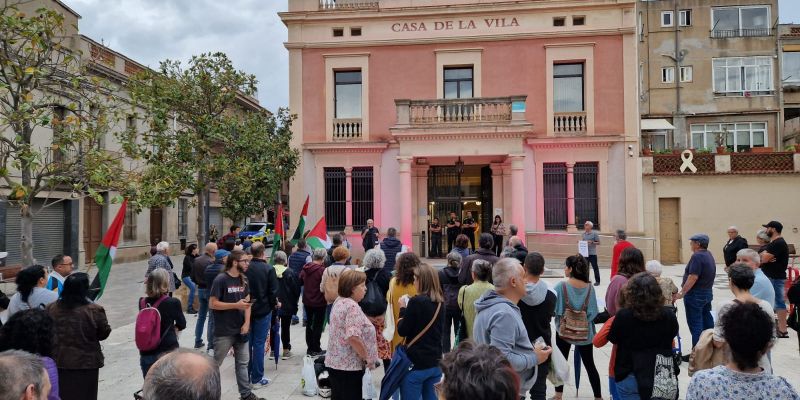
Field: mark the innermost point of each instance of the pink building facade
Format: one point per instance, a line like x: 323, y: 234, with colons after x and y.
x: 408, y: 110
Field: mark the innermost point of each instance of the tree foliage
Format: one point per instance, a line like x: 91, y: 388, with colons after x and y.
x: 201, y: 133
x: 54, y: 118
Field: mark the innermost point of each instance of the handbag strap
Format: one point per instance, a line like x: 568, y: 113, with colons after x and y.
x: 586, y: 302
x: 464, y: 293
x: 419, y: 335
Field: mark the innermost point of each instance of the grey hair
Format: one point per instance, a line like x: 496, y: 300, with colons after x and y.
x: 279, y: 258
x: 375, y: 258
x: 455, y: 259
x: 588, y: 223
x: 503, y: 270
x: 157, y: 283
x: 183, y: 374
x: 391, y: 232
x: 319, y: 254
x: 20, y: 369
x: 751, y: 254
x: 513, y: 228
x: 621, y: 234
x: 733, y: 228
x: 482, y: 269
x: 162, y: 247
x: 762, y: 234
x: 654, y: 268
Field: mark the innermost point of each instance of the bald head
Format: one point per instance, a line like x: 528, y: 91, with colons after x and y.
x: 211, y: 248
x: 183, y: 375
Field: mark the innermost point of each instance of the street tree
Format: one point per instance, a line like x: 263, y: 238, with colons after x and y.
x: 54, y: 118
x: 200, y: 123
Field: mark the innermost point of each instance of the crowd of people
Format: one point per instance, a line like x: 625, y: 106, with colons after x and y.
x: 478, y: 328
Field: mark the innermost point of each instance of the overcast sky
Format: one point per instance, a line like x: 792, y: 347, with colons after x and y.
x: 249, y: 31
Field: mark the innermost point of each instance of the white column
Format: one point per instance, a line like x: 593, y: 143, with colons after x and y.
x: 406, y: 206
x: 518, y: 192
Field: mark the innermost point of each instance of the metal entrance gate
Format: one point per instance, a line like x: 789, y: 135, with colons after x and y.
x: 446, y: 195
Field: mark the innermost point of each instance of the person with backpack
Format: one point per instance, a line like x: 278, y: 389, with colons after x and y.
x: 159, y: 320
x: 575, y: 310
x: 448, y: 278
x: 374, y: 303
x: 288, y: 296
x: 330, y: 279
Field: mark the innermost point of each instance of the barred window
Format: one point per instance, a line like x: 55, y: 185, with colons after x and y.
x: 183, y: 209
x: 362, y: 197
x: 585, y: 178
x: 335, y: 198
x: 555, y: 195
x: 129, y: 224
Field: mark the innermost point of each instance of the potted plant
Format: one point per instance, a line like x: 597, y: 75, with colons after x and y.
x: 720, y: 141
x: 702, y: 151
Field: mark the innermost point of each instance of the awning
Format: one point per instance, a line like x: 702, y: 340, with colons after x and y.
x: 656, y: 125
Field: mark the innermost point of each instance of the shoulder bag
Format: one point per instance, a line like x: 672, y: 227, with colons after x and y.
x: 401, y: 365
x: 461, y: 332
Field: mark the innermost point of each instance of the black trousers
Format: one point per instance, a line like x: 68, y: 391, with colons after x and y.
x: 587, y: 357
x: 286, y: 324
x: 345, y: 385
x: 452, y: 318
x: 451, y: 238
x: 498, y: 244
x: 436, y: 245
x: 539, y: 389
x: 470, y: 234
x: 593, y: 260
x: 316, y: 319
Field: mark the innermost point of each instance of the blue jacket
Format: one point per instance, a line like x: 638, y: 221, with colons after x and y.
x: 391, y: 246
x: 297, y: 260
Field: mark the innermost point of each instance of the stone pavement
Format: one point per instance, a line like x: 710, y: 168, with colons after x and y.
x: 121, y: 376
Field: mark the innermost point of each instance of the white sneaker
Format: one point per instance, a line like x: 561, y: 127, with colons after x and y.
x: 210, y: 352
x: 287, y: 354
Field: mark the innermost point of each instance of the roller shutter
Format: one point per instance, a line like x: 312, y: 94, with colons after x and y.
x: 48, y: 233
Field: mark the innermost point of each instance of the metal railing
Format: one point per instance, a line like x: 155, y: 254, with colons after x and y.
x: 347, y: 4
x: 749, y: 32
x: 569, y: 122
x: 347, y: 129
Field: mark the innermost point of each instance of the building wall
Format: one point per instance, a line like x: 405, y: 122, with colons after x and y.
x: 710, y: 204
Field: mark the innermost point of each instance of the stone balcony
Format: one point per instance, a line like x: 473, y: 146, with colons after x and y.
x: 347, y: 129
x: 729, y: 163
x: 477, y: 114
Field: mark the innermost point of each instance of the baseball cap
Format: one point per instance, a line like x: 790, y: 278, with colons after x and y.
x: 220, y: 254
x: 774, y: 224
x: 700, y: 238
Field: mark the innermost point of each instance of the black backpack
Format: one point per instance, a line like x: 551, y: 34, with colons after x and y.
x: 374, y: 302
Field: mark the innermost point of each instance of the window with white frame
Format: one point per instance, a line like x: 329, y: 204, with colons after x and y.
x: 740, y: 21
x: 685, y: 18
x: 791, y: 68
x: 668, y: 75
x: 655, y: 140
x: 568, y: 93
x: 738, y: 136
x: 686, y: 74
x: 347, y: 94
x: 666, y: 18
x: 183, y: 220
x: 742, y: 76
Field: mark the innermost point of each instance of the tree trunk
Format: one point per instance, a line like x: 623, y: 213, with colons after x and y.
x: 202, y: 203
x: 26, y: 236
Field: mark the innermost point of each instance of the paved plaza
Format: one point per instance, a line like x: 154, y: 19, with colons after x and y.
x: 121, y: 376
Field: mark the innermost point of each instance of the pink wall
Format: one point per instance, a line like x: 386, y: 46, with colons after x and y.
x: 509, y: 68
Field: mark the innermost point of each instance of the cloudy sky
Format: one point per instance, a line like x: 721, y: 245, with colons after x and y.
x: 249, y: 31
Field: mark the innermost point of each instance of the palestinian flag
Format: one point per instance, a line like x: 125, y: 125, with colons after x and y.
x: 277, y: 240
x: 301, y: 225
x: 318, y: 237
x: 105, y: 253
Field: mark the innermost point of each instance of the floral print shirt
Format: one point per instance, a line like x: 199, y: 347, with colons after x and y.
x: 723, y: 383
x: 346, y: 321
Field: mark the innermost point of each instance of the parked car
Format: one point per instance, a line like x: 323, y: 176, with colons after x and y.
x: 260, y: 231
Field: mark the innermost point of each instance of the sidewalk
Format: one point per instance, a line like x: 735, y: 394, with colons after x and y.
x: 121, y: 376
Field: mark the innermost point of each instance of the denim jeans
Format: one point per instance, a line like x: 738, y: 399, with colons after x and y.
x: 779, y: 285
x: 612, y: 388
x: 146, y: 362
x: 241, y: 355
x: 418, y: 384
x: 627, y: 388
x: 258, y: 337
x: 192, y: 288
x: 202, y: 313
x: 698, y: 312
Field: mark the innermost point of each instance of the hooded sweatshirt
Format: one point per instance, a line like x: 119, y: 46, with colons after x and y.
x: 537, y: 309
x: 311, y: 278
x: 391, y: 247
x: 499, y: 324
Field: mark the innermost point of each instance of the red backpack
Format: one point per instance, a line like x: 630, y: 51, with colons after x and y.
x: 148, y: 325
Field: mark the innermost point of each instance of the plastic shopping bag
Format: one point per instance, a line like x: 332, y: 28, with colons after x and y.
x: 368, y: 390
x: 308, y: 379
x: 388, y: 320
x: 559, y: 369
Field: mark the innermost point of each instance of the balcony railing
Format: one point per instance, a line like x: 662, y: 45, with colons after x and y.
x: 347, y: 4
x: 345, y: 129
x: 569, y: 123
x: 475, y: 111
x: 732, y: 33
